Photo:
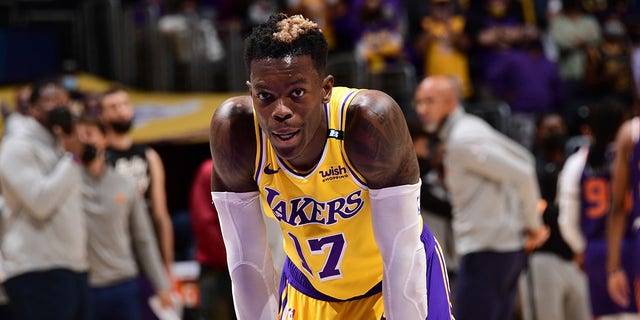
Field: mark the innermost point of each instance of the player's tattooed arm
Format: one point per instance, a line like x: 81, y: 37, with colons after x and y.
x: 377, y: 141
x: 233, y: 146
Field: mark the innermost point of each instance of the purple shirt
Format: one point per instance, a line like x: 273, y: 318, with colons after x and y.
x: 595, y: 196
x: 529, y: 82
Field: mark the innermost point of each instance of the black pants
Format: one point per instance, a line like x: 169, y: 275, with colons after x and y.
x: 58, y: 294
x: 486, y: 285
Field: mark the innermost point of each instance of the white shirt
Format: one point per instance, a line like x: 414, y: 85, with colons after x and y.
x: 568, y: 198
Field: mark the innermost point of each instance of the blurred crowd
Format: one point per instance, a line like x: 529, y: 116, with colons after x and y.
x: 535, y: 55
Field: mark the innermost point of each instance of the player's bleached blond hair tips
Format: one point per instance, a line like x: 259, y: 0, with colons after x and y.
x: 287, y: 36
x: 289, y: 29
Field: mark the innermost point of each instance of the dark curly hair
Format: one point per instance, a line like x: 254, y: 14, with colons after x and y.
x: 604, y: 118
x: 283, y: 36
x: 39, y: 85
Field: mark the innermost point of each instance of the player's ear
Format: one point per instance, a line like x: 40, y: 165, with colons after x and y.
x: 327, y: 86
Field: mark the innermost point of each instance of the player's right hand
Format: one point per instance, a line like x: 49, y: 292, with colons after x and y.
x: 618, y: 288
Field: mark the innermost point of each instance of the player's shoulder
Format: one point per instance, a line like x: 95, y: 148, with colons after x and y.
x: 372, y: 113
x: 232, y: 140
x: 234, y: 117
x: 371, y: 105
x: 377, y: 140
x: 371, y: 98
x: 233, y: 108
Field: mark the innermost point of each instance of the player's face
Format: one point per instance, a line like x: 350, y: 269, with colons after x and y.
x: 116, y: 107
x: 431, y: 106
x: 288, y: 96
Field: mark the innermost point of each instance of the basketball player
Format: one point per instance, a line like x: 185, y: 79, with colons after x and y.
x: 336, y: 167
x: 624, y: 181
x: 584, y: 196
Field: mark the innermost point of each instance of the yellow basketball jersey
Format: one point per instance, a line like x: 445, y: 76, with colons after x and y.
x: 324, y: 214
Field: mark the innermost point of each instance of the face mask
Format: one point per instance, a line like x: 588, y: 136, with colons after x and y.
x: 60, y: 116
x: 121, y: 127
x: 89, y: 153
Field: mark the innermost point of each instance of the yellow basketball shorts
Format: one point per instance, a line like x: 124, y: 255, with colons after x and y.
x: 306, y: 303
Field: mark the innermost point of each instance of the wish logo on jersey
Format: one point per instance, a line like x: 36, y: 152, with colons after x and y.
x: 333, y: 173
x: 307, y: 210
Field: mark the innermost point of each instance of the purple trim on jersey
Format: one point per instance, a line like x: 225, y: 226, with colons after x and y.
x: 438, y: 293
x: 354, y: 175
x: 326, y: 113
x: 344, y: 103
x: 298, y: 280
x: 437, y: 282
x: 351, y: 170
x: 328, y: 116
x: 284, y: 298
x: 292, y: 170
x: 261, y: 155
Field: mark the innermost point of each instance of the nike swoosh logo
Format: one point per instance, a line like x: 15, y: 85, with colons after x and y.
x: 268, y: 169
